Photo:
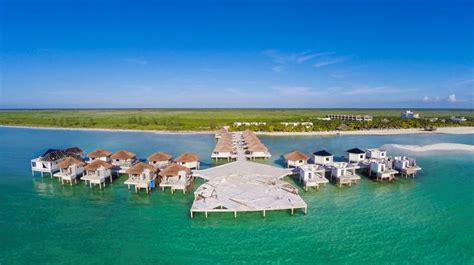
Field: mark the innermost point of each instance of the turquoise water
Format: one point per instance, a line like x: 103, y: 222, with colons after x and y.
x: 429, y: 220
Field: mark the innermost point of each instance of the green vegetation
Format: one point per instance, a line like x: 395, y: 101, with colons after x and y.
x: 211, y: 119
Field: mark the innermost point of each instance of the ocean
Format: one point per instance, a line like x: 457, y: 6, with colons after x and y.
x: 426, y: 220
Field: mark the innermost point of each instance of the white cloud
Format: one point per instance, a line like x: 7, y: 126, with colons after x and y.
x: 452, y: 98
x: 137, y: 61
x: 366, y: 90
x: 280, y: 60
x: 329, y: 61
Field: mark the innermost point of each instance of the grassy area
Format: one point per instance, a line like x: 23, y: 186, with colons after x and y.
x: 210, y: 119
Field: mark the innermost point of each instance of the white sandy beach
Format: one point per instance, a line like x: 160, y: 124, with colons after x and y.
x: 444, y: 130
x: 433, y: 147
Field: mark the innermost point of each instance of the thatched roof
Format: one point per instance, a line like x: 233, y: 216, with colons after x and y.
x: 257, y: 148
x: 223, y: 148
x: 140, y: 167
x: 159, y: 156
x: 97, y: 164
x: 187, y: 157
x: 296, y: 155
x: 123, y: 155
x: 343, y: 127
x: 173, y: 170
x: 69, y: 161
x: 99, y: 153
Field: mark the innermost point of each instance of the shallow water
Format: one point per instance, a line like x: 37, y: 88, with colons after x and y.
x: 427, y: 220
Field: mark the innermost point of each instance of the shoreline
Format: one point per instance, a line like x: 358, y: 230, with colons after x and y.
x: 443, y: 130
x: 433, y: 147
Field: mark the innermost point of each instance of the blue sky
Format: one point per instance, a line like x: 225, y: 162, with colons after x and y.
x: 68, y: 54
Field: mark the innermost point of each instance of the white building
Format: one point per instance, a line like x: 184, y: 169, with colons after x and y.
x: 458, y: 119
x: 188, y: 160
x: 49, y: 161
x: 344, y: 173
x: 176, y: 177
x: 100, y: 154
x: 70, y: 169
x: 355, y: 155
x: 323, y: 157
x: 296, y: 159
x: 142, y: 176
x: 381, y: 170
x: 312, y: 176
x: 376, y: 153
x: 97, y: 172
x: 159, y: 159
x: 123, y: 159
x: 406, y: 166
x: 408, y: 114
x: 349, y: 117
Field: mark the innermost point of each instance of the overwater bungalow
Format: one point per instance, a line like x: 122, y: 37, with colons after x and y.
x: 97, y: 172
x: 142, y: 176
x: 312, y: 176
x: 176, y: 177
x: 223, y: 151
x: 406, y: 166
x: 221, y: 132
x: 49, y: 161
x: 159, y: 159
x: 100, y: 154
x: 124, y: 160
x: 355, y: 155
x: 382, y: 170
x: 376, y: 153
x: 257, y: 151
x: 188, y: 160
x: 296, y: 159
x: 344, y: 173
x: 323, y: 157
x: 69, y: 169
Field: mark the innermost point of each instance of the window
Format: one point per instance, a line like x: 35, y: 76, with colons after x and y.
x: 33, y: 164
x: 327, y: 158
x: 361, y: 156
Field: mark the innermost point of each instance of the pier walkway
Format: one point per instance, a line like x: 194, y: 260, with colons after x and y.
x: 245, y: 186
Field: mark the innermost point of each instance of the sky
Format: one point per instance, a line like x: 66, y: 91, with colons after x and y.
x: 236, y: 54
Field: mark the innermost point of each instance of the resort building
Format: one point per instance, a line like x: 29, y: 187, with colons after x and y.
x: 344, y: 173
x: 406, y: 166
x: 97, y: 172
x: 49, y: 161
x: 123, y: 159
x: 323, y: 158
x: 458, y: 119
x: 188, y: 160
x: 225, y: 147
x: 382, y: 170
x: 312, y: 176
x: 376, y: 153
x: 295, y: 124
x: 69, y: 169
x: 176, y: 177
x: 142, y: 176
x: 159, y: 159
x: 408, y: 114
x: 355, y: 155
x: 254, y: 148
x: 100, y: 154
x: 349, y: 117
x: 296, y: 159
x: 244, y: 123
